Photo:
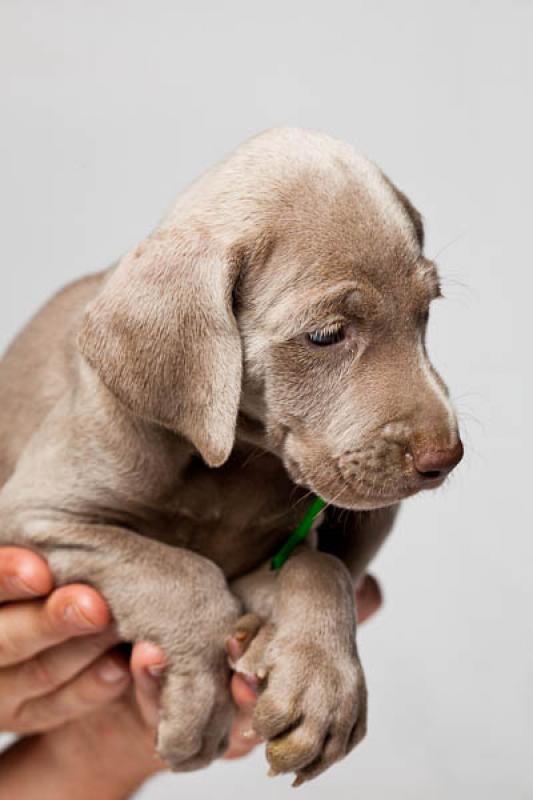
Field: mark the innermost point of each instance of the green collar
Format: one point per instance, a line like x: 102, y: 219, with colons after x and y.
x: 299, y: 534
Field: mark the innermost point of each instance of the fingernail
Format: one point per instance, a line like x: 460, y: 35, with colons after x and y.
x: 251, y: 680
x: 73, y: 614
x: 110, y: 671
x: 155, y: 670
x: 249, y: 733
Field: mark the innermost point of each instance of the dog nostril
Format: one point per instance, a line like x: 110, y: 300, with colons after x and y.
x: 432, y: 474
x: 432, y: 464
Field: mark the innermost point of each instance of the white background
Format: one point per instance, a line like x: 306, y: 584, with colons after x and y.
x: 110, y: 108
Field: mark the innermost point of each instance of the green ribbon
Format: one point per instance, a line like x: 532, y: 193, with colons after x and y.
x: 299, y: 534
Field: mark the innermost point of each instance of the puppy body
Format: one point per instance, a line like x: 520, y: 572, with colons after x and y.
x: 162, y: 422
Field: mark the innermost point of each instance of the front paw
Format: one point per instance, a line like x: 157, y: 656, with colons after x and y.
x: 313, y: 700
x: 196, y: 706
x: 196, y: 717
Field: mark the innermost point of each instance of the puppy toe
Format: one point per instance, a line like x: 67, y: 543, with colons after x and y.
x: 293, y: 751
x: 333, y: 749
x: 254, y: 662
x: 244, y: 632
x: 275, y: 716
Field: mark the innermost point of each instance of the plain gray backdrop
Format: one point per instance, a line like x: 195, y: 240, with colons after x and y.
x: 110, y: 108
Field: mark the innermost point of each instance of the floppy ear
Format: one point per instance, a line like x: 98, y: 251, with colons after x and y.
x: 163, y: 338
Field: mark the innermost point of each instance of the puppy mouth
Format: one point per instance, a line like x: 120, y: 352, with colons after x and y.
x: 430, y: 483
x: 362, y: 491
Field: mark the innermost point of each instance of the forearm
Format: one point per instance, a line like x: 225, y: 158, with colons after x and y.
x: 28, y: 770
x: 310, y: 586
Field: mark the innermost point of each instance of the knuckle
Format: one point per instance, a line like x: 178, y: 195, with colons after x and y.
x: 54, y: 620
x: 21, y: 719
x: 9, y: 646
x: 88, y: 691
x: 34, y: 716
x: 36, y: 673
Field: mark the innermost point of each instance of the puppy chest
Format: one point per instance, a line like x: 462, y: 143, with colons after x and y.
x: 237, y: 515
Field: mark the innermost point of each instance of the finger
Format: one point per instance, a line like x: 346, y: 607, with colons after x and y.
x: 52, y: 668
x: 30, y: 627
x: 147, y: 666
x: 243, y: 693
x: 243, y: 738
x: 102, y: 682
x: 368, y: 598
x: 23, y: 574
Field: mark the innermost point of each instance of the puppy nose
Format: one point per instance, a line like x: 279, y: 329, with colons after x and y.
x: 434, y: 463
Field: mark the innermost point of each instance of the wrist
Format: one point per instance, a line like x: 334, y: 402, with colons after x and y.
x: 31, y: 768
x: 108, y: 752
x: 106, y: 755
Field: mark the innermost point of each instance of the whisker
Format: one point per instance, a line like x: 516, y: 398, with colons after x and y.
x: 254, y: 456
x: 449, y: 244
x: 308, y: 493
x: 452, y: 288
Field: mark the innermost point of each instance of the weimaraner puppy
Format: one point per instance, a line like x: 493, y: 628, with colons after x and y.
x: 165, y: 423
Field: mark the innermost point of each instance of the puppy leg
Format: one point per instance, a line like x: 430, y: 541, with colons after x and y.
x: 312, y: 704
x: 158, y: 593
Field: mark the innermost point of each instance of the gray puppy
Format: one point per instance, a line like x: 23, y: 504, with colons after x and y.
x: 162, y: 422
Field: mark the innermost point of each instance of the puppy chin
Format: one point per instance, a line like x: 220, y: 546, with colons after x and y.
x: 353, y: 502
x: 331, y: 490
x: 327, y: 484
x: 349, y: 498
x: 324, y: 478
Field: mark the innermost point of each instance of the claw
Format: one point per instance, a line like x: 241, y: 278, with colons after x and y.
x: 239, y: 641
x: 234, y: 649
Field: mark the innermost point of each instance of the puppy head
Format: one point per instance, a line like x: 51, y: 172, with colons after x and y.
x: 298, y: 260
x: 333, y: 325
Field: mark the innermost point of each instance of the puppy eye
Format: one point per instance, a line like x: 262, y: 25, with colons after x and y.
x: 326, y: 336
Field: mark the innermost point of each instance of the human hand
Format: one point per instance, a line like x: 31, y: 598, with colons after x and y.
x: 69, y: 694
x: 54, y: 664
